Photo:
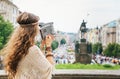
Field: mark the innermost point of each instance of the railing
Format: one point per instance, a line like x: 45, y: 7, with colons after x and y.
x: 80, y: 74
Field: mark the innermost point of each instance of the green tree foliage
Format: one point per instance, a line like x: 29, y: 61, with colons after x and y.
x: 6, y: 29
x: 63, y: 41
x: 113, y: 49
x: 97, y: 48
x: 54, y: 44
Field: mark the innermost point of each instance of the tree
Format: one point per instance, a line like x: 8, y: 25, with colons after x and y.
x: 97, y: 48
x: 113, y: 49
x: 63, y: 41
x: 6, y: 29
x: 54, y: 44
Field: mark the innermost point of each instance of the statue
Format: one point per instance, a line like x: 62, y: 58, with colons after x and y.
x: 76, y: 47
x: 83, y: 29
x: 82, y: 48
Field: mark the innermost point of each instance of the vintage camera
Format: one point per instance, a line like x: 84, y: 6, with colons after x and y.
x: 45, y: 29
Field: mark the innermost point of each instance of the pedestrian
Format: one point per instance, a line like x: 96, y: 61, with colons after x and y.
x: 24, y: 60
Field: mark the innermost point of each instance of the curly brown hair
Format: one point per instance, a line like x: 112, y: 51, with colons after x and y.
x: 21, y: 40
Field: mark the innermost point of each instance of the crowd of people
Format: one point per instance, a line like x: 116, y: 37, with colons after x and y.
x: 101, y: 59
x: 64, y: 59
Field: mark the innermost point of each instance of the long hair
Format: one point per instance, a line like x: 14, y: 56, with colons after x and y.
x: 21, y: 40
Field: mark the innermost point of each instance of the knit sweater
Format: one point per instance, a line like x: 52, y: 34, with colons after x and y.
x: 34, y: 66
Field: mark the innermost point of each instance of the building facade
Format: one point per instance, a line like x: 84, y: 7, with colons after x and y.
x: 108, y: 33
x: 61, y: 35
x: 93, y: 35
x: 118, y: 31
x: 9, y: 11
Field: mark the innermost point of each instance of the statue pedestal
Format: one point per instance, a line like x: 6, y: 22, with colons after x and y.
x: 82, y: 55
x: 85, y: 58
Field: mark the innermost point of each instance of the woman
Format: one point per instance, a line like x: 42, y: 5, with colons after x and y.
x: 24, y: 60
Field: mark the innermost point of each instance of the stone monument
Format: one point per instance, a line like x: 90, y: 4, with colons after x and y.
x: 82, y: 47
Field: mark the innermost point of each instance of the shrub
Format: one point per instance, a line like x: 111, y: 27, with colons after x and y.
x: 107, y: 66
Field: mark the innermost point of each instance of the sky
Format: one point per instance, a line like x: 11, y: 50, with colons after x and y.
x: 68, y: 15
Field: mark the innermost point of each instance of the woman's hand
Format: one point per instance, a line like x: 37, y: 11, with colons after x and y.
x: 48, y: 40
x: 46, y: 43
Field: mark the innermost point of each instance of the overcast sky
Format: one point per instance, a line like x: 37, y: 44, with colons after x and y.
x: 67, y: 15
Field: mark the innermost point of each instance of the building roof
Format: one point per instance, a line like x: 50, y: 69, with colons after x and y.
x: 112, y: 24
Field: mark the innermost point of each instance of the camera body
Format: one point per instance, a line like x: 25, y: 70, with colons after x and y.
x: 45, y: 29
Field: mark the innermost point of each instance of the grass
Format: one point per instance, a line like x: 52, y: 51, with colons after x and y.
x: 87, y: 66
